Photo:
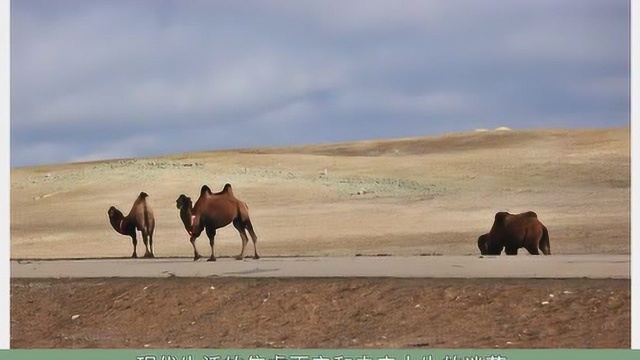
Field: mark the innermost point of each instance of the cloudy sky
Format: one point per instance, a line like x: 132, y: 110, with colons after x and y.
x: 99, y: 79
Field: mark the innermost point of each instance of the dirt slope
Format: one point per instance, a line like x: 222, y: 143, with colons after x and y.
x: 320, y: 313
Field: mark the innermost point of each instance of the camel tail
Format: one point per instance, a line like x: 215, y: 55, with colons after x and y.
x: 544, y: 241
x: 146, y: 215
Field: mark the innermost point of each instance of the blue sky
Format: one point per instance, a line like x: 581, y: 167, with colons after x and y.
x: 100, y: 79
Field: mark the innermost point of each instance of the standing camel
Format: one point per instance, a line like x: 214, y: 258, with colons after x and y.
x: 140, y: 217
x: 213, y: 211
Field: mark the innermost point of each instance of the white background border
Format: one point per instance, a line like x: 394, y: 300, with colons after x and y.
x: 635, y: 174
x: 4, y: 173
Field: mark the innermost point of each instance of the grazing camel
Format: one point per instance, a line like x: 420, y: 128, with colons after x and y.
x: 140, y: 217
x: 513, y: 231
x: 213, y: 211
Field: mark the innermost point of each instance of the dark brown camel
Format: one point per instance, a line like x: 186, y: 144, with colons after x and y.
x: 513, y: 231
x: 140, y: 217
x: 213, y: 211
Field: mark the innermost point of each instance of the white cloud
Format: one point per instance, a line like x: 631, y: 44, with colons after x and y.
x: 120, y: 149
x: 568, y: 36
x: 605, y: 87
x: 437, y: 102
x: 39, y: 153
x: 296, y: 112
x: 362, y: 15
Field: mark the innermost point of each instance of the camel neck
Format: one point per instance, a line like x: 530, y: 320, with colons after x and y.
x: 187, y: 219
x: 185, y: 214
x: 121, y: 226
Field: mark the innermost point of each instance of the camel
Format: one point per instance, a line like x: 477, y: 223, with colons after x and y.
x: 514, y: 231
x: 140, y: 217
x: 213, y: 211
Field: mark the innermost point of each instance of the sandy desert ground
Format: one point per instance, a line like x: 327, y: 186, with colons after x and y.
x: 421, y: 196
x: 431, y: 195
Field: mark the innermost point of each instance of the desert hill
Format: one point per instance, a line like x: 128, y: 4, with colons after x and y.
x: 425, y: 195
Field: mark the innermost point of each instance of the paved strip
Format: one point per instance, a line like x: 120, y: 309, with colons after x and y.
x: 555, y: 266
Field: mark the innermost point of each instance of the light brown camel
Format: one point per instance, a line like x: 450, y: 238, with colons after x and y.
x: 140, y: 217
x: 213, y: 211
x: 513, y: 231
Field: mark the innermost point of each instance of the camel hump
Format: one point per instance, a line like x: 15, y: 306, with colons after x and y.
x: 227, y: 188
x: 531, y: 214
x: 205, y: 190
x: 143, y: 195
x: 501, y: 217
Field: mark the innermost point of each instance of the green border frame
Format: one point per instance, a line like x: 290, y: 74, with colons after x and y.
x: 319, y: 354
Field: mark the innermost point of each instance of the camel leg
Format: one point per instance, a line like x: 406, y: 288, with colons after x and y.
x: 254, y: 238
x: 532, y: 249
x: 545, y: 249
x: 211, y: 234
x: 134, y: 240
x: 145, y: 239
x: 151, y: 244
x: 237, y: 223
x: 511, y: 251
x: 196, y: 256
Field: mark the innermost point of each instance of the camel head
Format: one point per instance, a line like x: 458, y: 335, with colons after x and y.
x: 185, y: 205
x: 482, y: 244
x: 184, y: 202
x: 115, y: 214
x: 115, y: 218
x: 486, y: 247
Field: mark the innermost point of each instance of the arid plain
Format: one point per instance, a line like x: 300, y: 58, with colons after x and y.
x: 432, y: 195
x: 428, y: 196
